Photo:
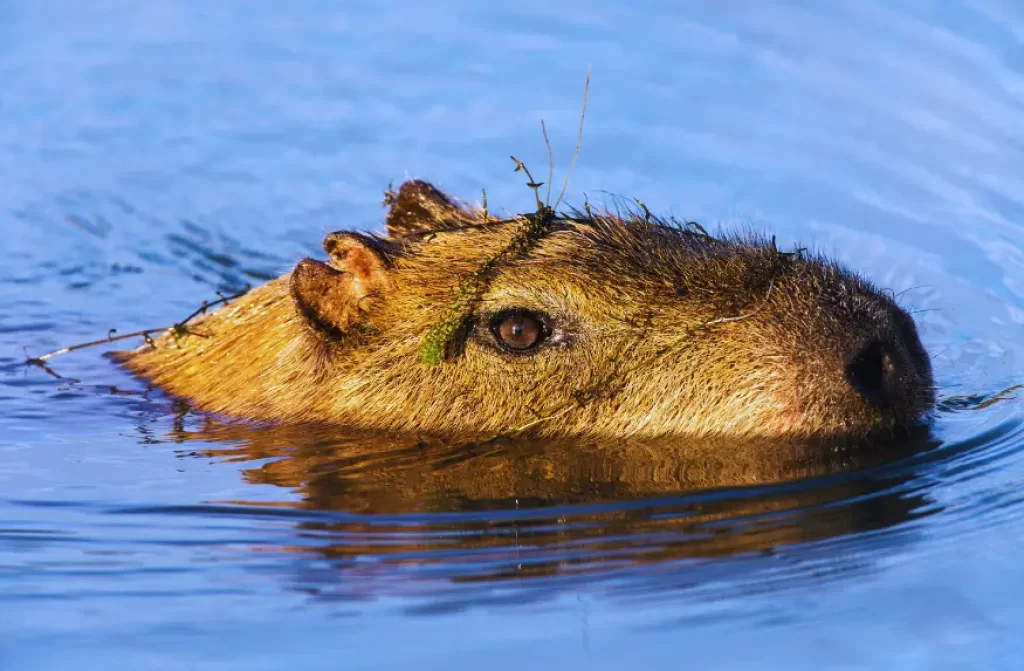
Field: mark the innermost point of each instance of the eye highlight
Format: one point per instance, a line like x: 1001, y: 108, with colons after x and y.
x: 518, y: 331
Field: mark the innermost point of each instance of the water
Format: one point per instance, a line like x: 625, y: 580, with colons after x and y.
x: 155, y: 153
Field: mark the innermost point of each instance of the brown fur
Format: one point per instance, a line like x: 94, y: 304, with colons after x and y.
x: 660, y: 331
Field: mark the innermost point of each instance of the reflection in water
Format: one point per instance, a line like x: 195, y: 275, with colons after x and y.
x: 409, y: 509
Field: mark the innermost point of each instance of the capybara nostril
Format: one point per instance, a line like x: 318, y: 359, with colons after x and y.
x: 872, y: 372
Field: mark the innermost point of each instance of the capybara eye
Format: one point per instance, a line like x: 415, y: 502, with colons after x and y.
x: 518, y: 330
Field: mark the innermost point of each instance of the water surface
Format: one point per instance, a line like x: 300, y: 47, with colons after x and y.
x: 155, y: 153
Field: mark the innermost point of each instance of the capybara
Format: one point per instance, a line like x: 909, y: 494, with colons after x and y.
x: 578, y: 324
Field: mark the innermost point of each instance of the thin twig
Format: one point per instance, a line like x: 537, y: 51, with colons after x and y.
x: 579, y: 140
x: 896, y: 296
x: 36, y: 360
x: 46, y: 369
x: 177, y: 328
x: 551, y: 161
x: 978, y: 401
x: 643, y: 207
x: 764, y: 302
x: 523, y: 428
x: 520, y: 166
x: 771, y: 285
x: 1004, y: 395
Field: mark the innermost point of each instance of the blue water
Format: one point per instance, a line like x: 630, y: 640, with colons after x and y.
x: 153, y: 153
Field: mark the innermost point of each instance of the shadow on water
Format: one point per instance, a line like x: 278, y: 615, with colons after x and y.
x: 380, y: 514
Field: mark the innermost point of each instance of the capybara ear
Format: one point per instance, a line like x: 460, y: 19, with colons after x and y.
x: 335, y: 297
x: 419, y: 207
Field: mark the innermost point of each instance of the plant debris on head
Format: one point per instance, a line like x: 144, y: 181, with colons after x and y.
x: 437, y: 341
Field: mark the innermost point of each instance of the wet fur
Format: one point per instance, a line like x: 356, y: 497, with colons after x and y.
x: 664, y: 331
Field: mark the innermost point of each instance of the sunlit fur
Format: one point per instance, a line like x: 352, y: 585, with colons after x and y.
x: 659, y: 330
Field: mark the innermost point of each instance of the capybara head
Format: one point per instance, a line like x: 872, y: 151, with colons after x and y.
x: 457, y: 322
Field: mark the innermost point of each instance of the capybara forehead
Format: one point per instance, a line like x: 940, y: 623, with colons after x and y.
x: 620, y: 256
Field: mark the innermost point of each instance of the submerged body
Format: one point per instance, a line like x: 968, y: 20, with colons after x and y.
x: 601, y: 326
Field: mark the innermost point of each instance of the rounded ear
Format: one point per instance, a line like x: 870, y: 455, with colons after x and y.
x: 336, y: 297
x: 419, y: 207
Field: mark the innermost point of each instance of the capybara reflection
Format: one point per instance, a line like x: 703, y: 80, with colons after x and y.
x: 643, y: 501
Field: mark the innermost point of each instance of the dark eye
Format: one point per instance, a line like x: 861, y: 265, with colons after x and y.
x: 518, y: 330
